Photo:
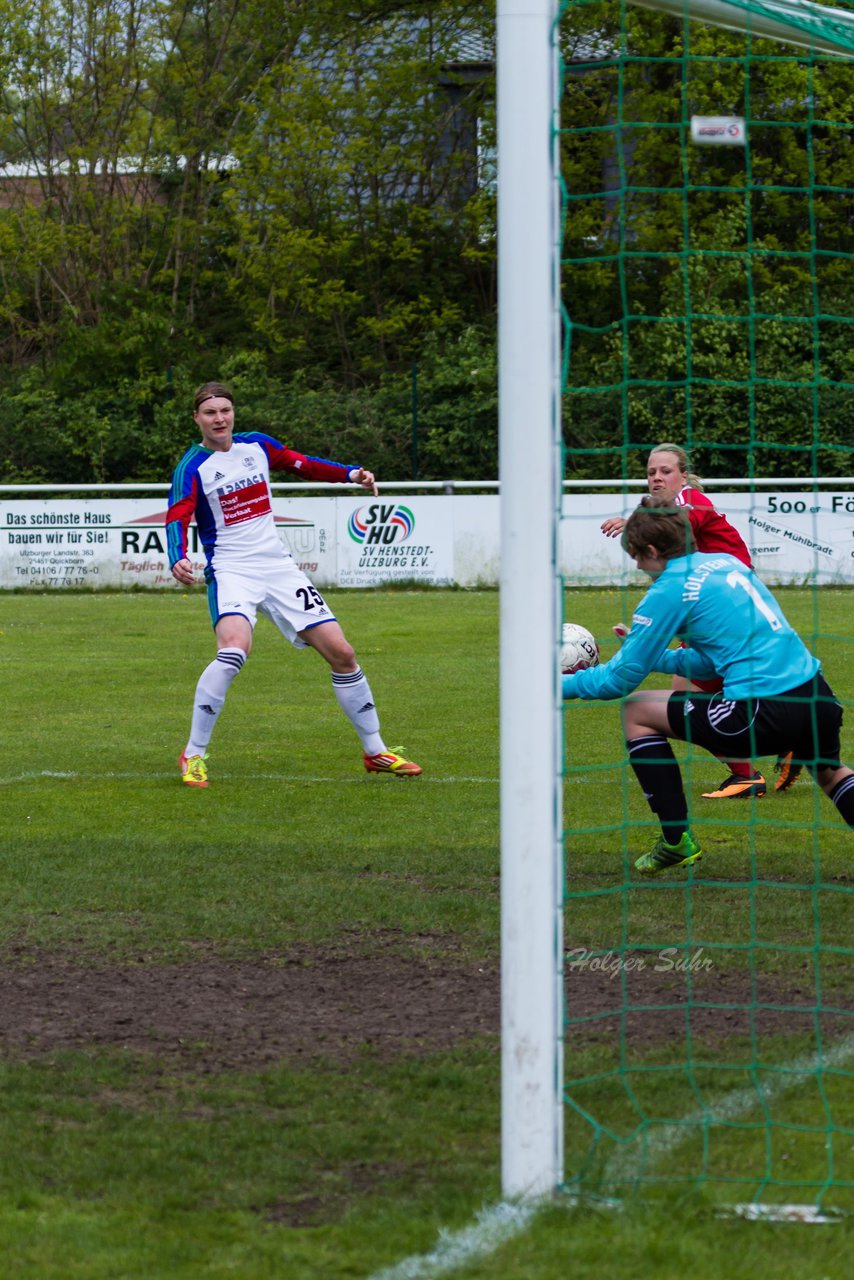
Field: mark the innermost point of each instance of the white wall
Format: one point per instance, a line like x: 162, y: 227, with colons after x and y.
x: 795, y: 537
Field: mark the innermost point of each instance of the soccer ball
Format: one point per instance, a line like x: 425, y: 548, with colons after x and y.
x: 578, y: 649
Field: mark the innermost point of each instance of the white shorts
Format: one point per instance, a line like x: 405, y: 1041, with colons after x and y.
x: 282, y: 592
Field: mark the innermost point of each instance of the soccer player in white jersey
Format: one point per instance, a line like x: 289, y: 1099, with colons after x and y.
x: 223, y: 483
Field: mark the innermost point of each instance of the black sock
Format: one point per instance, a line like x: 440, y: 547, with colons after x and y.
x: 658, y: 773
x: 842, y: 796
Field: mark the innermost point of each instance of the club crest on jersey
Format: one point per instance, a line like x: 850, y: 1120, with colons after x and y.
x: 249, y: 462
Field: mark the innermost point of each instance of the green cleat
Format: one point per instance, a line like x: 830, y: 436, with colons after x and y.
x: 664, y: 856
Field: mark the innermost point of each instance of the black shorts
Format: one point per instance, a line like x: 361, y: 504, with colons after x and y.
x: 805, y: 721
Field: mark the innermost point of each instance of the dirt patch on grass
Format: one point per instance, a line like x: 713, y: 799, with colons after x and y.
x: 215, y: 1014
x: 243, y: 1015
x: 651, y: 997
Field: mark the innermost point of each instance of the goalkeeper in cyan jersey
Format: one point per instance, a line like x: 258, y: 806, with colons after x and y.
x: 773, y: 695
x: 669, y: 475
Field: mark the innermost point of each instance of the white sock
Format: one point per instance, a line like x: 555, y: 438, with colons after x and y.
x: 210, y: 697
x: 356, y: 701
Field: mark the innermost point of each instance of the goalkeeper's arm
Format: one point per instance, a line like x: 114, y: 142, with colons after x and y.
x: 621, y: 675
x: 687, y: 663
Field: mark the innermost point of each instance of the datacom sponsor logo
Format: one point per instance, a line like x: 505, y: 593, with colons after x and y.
x: 381, y: 524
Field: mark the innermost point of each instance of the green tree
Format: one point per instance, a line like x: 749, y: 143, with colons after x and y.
x: 255, y: 163
x: 701, y: 284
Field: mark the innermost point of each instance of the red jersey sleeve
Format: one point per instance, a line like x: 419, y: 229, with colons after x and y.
x: 302, y: 464
x: 712, y: 531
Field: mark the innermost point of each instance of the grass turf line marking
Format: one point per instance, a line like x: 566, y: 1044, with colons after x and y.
x: 493, y: 1227
x: 33, y: 774
x: 625, y: 1166
x: 40, y: 773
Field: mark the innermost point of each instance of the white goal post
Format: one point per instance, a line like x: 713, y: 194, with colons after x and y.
x: 530, y: 473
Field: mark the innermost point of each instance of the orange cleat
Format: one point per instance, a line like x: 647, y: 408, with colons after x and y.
x: 392, y: 762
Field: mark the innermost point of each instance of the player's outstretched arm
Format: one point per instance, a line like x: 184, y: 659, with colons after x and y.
x: 364, y: 478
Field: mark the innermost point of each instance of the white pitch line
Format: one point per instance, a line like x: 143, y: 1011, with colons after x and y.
x: 34, y: 774
x: 625, y: 1165
x: 493, y: 1227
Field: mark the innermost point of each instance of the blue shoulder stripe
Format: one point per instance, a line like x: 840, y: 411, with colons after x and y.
x: 182, y: 476
x: 257, y: 437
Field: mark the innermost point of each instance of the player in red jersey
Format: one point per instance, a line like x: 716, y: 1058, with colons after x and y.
x: 223, y: 484
x: 668, y: 475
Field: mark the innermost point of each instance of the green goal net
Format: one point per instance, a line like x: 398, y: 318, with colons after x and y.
x: 707, y: 183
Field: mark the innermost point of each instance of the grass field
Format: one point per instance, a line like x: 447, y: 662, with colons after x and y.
x: 252, y: 1031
